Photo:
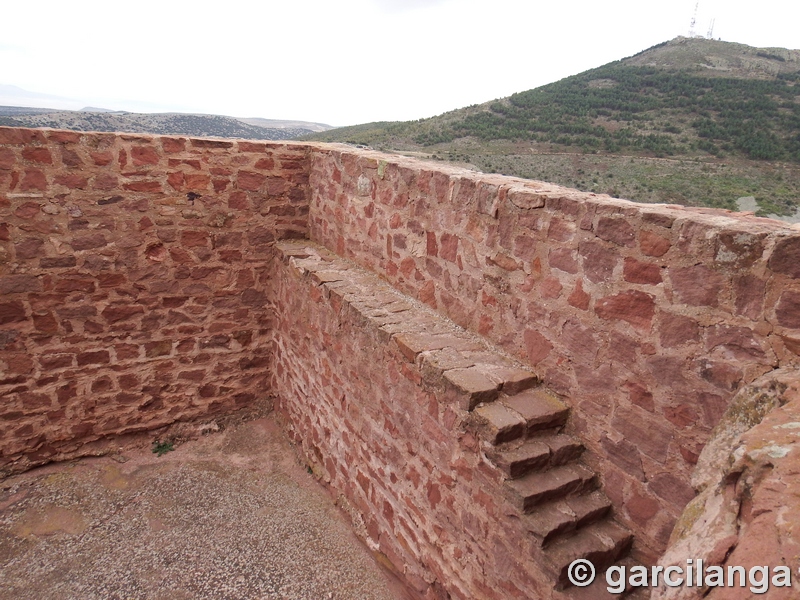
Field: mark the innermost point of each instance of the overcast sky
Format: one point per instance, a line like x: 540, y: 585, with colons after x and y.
x: 343, y: 62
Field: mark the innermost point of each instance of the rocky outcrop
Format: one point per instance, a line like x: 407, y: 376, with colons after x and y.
x: 747, y: 512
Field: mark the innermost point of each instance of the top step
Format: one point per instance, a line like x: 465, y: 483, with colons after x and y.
x: 447, y: 354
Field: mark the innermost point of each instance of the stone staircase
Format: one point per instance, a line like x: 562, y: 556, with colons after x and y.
x: 557, y: 497
x: 520, y: 424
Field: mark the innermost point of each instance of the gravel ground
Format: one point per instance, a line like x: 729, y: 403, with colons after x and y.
x: 232, y: 515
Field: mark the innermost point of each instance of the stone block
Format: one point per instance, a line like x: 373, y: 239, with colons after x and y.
x: 99, y: 357
x: 633, y: 306
x: 89, y: 242
x: 497, y: 424
x: 17, y: 284
x: 472, y: 385
x: 534, y: 455
x: 785, y: 257
x: 12, y: 312
x: 697, y: 285
x: 558, y: 482
x: 512, y: 380
x: 539, y: 409
x: 636, y: 271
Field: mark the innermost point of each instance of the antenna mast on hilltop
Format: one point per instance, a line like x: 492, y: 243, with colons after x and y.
x: 711, y: 30
x: 694, y: 20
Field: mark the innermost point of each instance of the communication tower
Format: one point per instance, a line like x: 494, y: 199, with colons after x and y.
x: 694, y: 20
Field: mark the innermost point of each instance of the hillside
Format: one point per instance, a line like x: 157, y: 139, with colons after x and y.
x: 91, y: 119
x: 691, y: 121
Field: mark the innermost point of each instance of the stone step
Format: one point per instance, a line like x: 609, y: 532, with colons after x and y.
x: 535, y: 454
x: 531, y: 412
x: 554, y: 519
x: 497, y: 424
x: 601, y: 543
x: 536, y: 488
x: 540, y: 410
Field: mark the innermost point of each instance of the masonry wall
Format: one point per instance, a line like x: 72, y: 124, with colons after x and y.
x: 391, y: 439
x: 646, y: 318
x: 132, y: 281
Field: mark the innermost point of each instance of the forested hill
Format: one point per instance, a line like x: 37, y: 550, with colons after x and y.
x: 689, y: 121
x: 693, y: 97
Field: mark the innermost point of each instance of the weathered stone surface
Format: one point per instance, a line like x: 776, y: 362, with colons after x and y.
x: 747, y: 512
x: 675, y: 330
x: 29, y: 248
x: 785, y: 257
x: 750, y: 291
x: 561, y: 230
x: 598, y: 261
x: 788, y: 310
x: 637, y: 271
x: 16, y: 284
x: 633, y: 306
x: 579, y: 298
x: 650, y: 437
x: 653, y: 244
x: 537, y: 346
x: 11, y: 312
x: 538, y: 409
x: 89, y: 242
x: 116, y: 313
x: 626, y: 456
x: 746, y: 410
x: 28, y: 210
x: 697, y: 286
x: 563, y: 259
x: 93, y: 358
x: 250, y: 181
x: 672, y: 489
x: 616, y: 230
x: 473, y: 384
x: 144, y: 155
x: 498, y: 424
x: 739, y: 342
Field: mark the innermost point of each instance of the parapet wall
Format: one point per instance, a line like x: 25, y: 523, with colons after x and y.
x: 646, y: 318
x: 132, y: 281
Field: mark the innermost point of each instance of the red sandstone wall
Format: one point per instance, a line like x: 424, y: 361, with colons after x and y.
x: 395, y: 447
x: 132, y: 280
x: 647, y: 318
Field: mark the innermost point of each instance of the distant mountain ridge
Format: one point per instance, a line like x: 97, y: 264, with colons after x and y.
x: 90, y: 119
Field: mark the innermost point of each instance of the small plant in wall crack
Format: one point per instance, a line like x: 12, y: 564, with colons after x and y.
x: 161, y: 448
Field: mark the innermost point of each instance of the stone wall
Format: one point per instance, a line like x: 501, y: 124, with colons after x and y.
x: 646, y: 318
x: 132, y: 280
x: 383, y: 427
x: 135, y: 273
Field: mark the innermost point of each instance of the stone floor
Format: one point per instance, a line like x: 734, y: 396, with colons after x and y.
x: 231, y: 515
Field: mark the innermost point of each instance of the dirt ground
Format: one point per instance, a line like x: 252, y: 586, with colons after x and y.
x: 231, y: 515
